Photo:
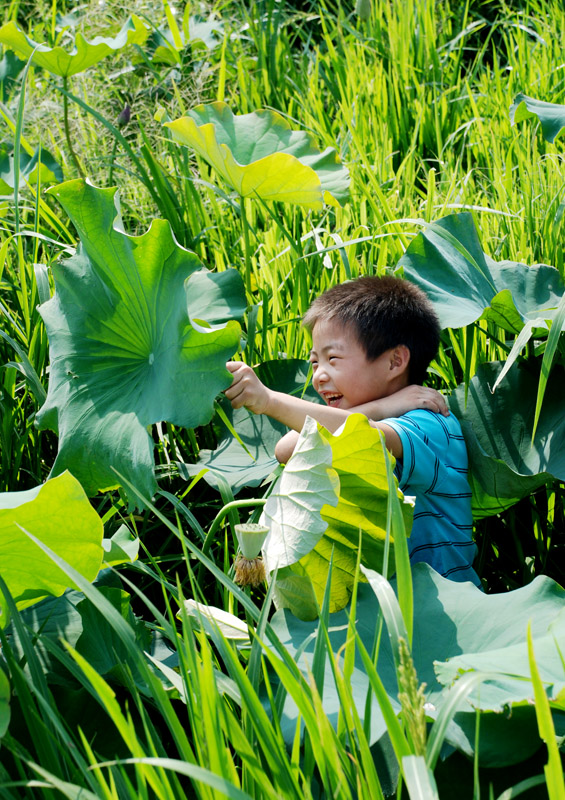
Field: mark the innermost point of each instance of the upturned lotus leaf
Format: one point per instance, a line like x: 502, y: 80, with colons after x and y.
x: 258, y: 155
x: 59, y: 514
x: 84, y: 54
x: 306, y: 528
x: 124, y: 352
x: 550, y: 115
x: 447, y: 261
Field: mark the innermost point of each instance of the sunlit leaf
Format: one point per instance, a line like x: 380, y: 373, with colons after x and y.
x: 307, y: 528
x: 124, y: 353
x: 60, y: 515
x: 84, y: 54
x: 258, y: 154
x: 550, y: 115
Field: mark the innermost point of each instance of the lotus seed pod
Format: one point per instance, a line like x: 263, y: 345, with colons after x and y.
x: 249, y: 571
x: 251, y: 536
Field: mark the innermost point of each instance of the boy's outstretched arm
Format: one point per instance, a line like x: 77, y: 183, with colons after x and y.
x: 247, y: 390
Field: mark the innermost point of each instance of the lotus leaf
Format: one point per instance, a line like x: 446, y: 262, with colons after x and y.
x: 60, y: 62
x: 124, y: 353
x: 504, y: 467
x: 259, y: 155
x: 456, y: 627
x: 259, y: 433
x: 41, y: 161
x: 356, y: 456
x: 550, y: 115
x: 446, y: 260
x: 164, y: 50
x: 73, y: 619
x: 60, y: 515
x: 10, y: 68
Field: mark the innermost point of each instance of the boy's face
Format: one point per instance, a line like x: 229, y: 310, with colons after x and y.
x: 342, y: 374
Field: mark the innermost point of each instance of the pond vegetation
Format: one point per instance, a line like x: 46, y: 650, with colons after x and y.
x: 176, y: 185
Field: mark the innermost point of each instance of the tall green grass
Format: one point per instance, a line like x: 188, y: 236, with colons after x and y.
x: 415, y: 98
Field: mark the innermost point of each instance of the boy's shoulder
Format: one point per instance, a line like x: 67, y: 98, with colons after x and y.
x: 432, y: 424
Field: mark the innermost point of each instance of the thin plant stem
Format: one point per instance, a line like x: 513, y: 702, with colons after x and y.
x: 67, y: 129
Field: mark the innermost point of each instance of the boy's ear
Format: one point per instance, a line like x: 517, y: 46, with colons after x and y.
x: 400, y: 358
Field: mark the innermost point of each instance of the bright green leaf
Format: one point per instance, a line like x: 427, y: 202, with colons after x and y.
x: 124, y: 354
x: 258, y: 154
x: 59, y: 61
x: 60, y: 515
x: 306, y: 528
x: 550, y: 115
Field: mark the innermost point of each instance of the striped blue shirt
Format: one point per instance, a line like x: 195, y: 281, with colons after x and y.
x: 434, y: 469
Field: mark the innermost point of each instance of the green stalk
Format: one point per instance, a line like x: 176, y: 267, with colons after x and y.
x: 246, y: 243
x: 67, y: 129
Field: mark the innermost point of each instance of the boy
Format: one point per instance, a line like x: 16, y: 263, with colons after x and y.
x: 372, y: 342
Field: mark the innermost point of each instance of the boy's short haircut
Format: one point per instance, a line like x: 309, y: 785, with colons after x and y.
x: 384, y: 312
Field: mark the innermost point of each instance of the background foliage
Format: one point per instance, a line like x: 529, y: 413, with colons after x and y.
x: 415, y: 97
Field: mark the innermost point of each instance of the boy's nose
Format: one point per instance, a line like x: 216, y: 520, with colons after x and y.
x: 321, y: 376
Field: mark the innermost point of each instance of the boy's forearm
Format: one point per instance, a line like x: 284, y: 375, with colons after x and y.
x: 292, y: 412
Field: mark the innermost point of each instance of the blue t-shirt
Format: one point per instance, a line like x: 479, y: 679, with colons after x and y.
x: 434, y: 469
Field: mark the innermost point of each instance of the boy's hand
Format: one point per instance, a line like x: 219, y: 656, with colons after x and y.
x: 409, y: 399
x: 246, y: 389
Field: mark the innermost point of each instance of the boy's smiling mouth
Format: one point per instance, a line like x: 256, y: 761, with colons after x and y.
x: 332, y: 398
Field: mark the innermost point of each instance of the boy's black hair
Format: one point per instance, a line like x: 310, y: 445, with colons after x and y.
x: 384, y: 312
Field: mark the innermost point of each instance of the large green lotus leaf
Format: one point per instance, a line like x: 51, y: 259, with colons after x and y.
x: 59, y: 61
x: 124, y: 353
x: 259, y: 433
x: 358, y: 459
x: 504, y: 467
x: 60, y: 515
x: 258, y: 154
x: 456, y: 626
x: 446, y: 260
x: 41, y: 162
x: 216, y: 297
x: 550, y: 115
